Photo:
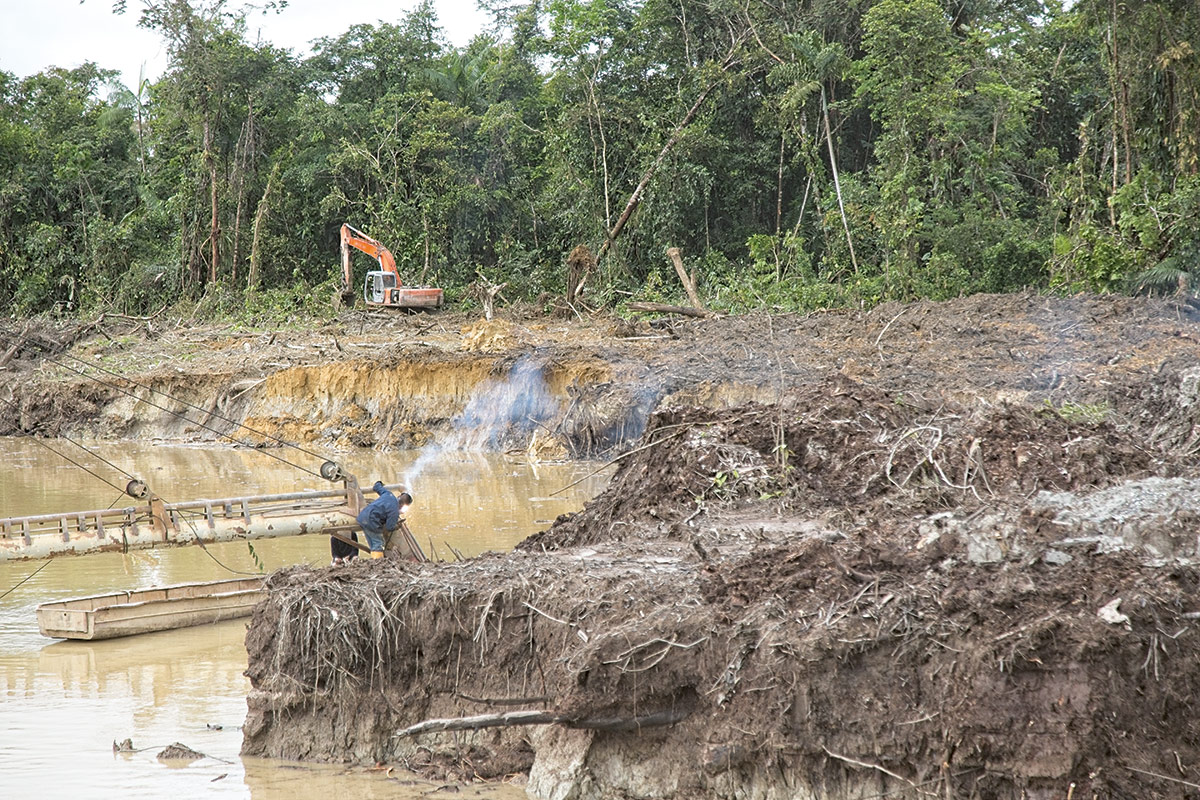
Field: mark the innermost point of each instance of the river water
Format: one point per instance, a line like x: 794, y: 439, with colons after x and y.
x: 63, y: 704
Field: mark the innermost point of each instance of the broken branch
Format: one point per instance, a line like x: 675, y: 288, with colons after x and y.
x: 615, y: 460
x: 514, y: 718
x: 663, y: 308
x: 688, y: 281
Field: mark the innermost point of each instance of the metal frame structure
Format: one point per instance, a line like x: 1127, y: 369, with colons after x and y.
x: 159, y: 524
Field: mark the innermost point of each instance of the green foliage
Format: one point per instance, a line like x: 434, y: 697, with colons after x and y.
x: 43, y: 256
x: 1162, y: 223
x: 146, y: 286
x: 1092, y: 259
x: 833, y: 154
x: 1080, y: 413
x: 278, y: 307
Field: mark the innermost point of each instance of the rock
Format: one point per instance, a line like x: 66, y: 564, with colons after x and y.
x: 179, y: 752
x: 1109, y: 613
x: 1056, y: 557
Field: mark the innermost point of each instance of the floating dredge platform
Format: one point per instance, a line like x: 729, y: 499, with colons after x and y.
x: 155, y: 523
x: 159, y: 524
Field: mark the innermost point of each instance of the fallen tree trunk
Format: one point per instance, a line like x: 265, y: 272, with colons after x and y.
x: 14, y: 347
x: 663, y: 308
x: 534, y: 717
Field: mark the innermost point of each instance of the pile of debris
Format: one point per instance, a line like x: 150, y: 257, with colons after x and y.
x: 844, y: 594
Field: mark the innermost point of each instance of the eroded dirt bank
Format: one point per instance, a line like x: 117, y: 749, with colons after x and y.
x: 957, y: 561
x: 935, y: 550
x: 402, y: 381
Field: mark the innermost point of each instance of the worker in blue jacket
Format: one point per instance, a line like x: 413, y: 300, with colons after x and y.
x: 380, y: 518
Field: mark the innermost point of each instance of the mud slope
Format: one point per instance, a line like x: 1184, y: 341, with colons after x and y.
x: 909, y: 583
x: 335, y: 389
x: 800, y: 669
x: 945, y: 549
x: 396, y: 380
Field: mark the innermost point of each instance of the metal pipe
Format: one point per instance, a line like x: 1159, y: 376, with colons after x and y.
x: 135, y: 528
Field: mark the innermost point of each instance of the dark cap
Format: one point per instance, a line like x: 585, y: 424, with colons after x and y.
x: 378, y: 487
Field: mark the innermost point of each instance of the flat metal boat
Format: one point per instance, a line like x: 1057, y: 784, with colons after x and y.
x: 107, y: 616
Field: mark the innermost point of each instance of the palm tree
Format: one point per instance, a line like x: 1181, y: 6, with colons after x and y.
x: 460, y: 79
x: 136, y: 102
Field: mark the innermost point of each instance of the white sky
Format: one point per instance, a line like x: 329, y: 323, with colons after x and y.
x: 36, y: 34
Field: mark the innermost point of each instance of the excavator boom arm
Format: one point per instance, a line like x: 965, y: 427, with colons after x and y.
x: 353, y: 237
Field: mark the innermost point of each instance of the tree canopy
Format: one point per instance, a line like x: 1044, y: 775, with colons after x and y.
x: 799, y: 154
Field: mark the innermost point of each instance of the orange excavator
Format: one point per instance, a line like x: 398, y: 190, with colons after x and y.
x: 382, y: 287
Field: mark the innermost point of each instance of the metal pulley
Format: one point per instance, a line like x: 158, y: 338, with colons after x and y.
x: 137, y: 489
x: 332, y: 471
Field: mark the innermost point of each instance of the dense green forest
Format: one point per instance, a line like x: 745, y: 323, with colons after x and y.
x: 799, y: 153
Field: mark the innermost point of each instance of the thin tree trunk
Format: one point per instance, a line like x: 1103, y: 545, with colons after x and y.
x: 603, y: 148
x: 837, y: 187
x: 242, y: 164
x: 1123, y: 94
x: 803, y: 205
x: 214, y: 246
x: 799, y: 219
x: 636, y: 197
x: 779, y: 190
x: 141, y: 131
x: 1115, y: 91
x: 214, y: 229
x: 260, y: 214
x: 779, y: 210
x: 425, y: 225
x: 238, y: 188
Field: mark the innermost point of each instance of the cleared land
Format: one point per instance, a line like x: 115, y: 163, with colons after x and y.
x: 942, y: 549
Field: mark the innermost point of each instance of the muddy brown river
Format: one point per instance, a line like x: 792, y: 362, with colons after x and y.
x: 63, y: 704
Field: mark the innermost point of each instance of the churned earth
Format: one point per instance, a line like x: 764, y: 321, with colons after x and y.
x: 938, y: 549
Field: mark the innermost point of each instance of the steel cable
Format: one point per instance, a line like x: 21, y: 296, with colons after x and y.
x: 69, y: 460
x: 190, y: 523
x: 55, y: 360
x: 207, y: 427
x: 210, y: 413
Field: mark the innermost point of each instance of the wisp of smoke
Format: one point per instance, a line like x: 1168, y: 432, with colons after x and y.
x: 428, y: 455
x: 498, y: 409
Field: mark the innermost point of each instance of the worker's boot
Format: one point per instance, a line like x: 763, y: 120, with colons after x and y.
x: 376, y: 554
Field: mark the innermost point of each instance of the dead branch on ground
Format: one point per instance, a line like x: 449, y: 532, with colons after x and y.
x: 511, y: 719
x: 663, y: 308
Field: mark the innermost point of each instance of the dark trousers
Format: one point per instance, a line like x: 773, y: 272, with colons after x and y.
x: 340, y: 549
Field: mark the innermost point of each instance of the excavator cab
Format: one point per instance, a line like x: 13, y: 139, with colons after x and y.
x: 377, y: 288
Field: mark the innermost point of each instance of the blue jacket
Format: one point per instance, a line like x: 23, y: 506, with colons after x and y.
x: 382, y: 514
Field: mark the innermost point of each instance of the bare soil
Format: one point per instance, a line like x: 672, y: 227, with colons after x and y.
x: 944, y: 549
